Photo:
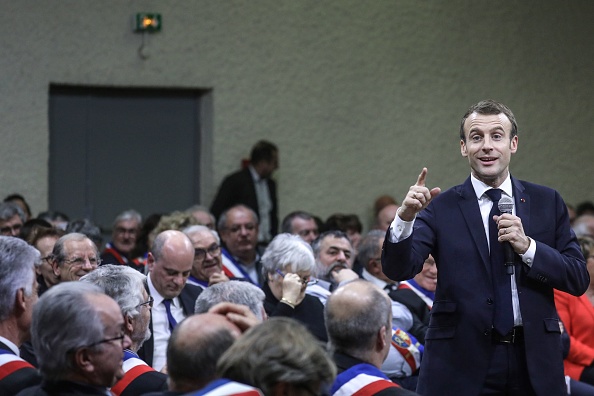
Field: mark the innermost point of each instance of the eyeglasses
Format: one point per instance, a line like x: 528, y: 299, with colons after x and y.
x: 118, y: 338
x: 237, y: 228
x: 80, y: 262
x: 305, y: 281
x: 8, y: 230
x: 46, y: 258
x: 148, y: 303
x: 200, y: 254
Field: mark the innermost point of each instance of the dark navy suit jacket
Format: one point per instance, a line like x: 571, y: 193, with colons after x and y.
x: 238, y: 188
x: 458, y: 341
x: 188, y: 297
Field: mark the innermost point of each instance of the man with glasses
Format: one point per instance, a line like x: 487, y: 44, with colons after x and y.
x: 238, y: 227
x: 207, y: 269
x: 126, y: 286
x: 18, y: 294
x: 169, y: 263
x: 12, y: 219
x: 123, y: 240
x: 79, y: 336
x: 74, y: 255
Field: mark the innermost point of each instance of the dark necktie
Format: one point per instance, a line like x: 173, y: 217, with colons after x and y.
x: 503, y: 321
x: 170, y: 318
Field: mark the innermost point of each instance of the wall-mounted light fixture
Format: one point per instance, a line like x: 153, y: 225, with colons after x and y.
x: 145, y: 22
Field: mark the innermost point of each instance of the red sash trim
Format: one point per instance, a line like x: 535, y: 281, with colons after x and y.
x: 375, y: 387
x: 130, y: 376
x: 12, y: 367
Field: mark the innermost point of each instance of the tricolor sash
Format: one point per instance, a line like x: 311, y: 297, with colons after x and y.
x: 11, y: 363
x: 424, y: 294
x: 225, y: 387
x: 360, y: 380
x: 234, y: 269
x: 133, y: 367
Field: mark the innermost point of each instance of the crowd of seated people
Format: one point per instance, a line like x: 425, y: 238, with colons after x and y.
x: 208, y: 310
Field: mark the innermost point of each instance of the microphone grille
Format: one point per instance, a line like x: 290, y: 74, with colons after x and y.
x: 506, y: 204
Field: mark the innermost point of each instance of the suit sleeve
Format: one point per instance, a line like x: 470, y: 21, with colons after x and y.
x: 224, y: 198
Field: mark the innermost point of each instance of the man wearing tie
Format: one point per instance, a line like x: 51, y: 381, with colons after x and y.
x: 494, y: 328
x: 169, y: 263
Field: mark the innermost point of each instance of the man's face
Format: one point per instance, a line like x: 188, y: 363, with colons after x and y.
x: 306, y: 229
x: 171, y: 271
x: 334, y: 252
x: 241, y: 232
x: 81, y: 258
x: 124, y: 235
x: 212, y: 263
x: 386, y: 216
x: 488, y: 147
x: 427, y: 278
x: 45, y: 246
x: 141, y: 331
x: 107, y: 357
x: 11, y: 227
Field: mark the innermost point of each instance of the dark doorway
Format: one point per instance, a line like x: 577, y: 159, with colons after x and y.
x: 113, y: 149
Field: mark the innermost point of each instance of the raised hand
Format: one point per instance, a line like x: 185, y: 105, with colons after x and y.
x: 417, y: 198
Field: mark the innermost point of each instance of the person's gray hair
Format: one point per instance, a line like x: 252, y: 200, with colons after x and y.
x: 9, y: 209
x: 287, y: 250
x: 287, y: 224
x: 277, y: 350
x: 237, y: 292
x: 354, y: 332
x: 126, y: 215
x: 122, y: 283
x: 222, y: 223
x: 17, y: 263
x: 196, y: 366
x: 194, y: 229
x: 369, y: 247
x: 317, y: 243
x: 86, y: 227
x: 64, y: 320
x: 201, y: 208
x: 59, y: 251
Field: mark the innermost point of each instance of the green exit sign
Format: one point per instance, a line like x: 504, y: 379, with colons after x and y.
x: 147, y: 22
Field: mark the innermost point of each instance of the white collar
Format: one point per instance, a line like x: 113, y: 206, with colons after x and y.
x: 10, y: 345
x: 480, y: 187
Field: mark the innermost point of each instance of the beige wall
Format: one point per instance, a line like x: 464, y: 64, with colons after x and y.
x: 358, y: 95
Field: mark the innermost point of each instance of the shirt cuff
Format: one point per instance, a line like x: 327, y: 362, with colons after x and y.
x: 400, y: 229
x: 528, y: 257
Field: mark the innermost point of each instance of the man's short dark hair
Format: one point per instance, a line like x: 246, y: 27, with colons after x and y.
x: 263, y: 151
x: 489, y: 107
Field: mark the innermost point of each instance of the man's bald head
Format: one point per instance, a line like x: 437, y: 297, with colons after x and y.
x: 194, y: 349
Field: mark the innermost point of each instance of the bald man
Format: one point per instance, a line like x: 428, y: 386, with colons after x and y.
x: 359, y: 323
x: 169, y: 262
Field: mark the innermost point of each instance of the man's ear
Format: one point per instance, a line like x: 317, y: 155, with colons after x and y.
x: 374, y: 267
x: 83, y: 360
x: 129, y: 324
x: 55, y: 267
x: 150, y: 261
x: 20, y: 302
x: 380, y: 342
x: 463, y: 148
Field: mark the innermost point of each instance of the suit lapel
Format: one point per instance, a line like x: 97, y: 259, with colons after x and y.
x: 472, y: 215
x: 522, y: 202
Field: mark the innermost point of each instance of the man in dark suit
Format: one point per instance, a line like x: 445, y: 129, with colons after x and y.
x: 18, y: 294
x: 253, y: 187
x: 169, y: 263
x: 492, y: 331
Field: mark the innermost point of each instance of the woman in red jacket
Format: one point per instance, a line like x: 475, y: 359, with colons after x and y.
x: 577, y: 315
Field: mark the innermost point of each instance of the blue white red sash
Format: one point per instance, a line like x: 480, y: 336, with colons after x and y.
x: 359, y: 380
x: 408, y: 346
x: 423, y: 293
x: 133, y: 367
x: 192, y: 280
x: 231, y: 266
x: 225, y: 387
x: 10, y: 363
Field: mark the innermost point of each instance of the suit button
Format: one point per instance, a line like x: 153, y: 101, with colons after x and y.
x: 490, y: 301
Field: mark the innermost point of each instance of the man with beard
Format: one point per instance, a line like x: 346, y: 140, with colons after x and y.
x: 208, y: 268
x: 79, y: 336
x: 169, y: 263
x: 238, y: 227
x: 126, y: 287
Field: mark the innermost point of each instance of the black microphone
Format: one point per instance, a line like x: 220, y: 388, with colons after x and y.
x: 506, y: 205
